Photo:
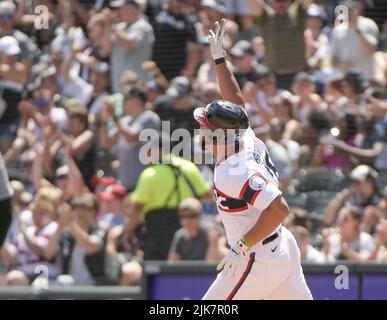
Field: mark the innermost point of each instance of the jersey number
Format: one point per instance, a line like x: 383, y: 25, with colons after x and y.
x: 270, y: 165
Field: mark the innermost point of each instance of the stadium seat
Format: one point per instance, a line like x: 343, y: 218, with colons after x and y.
x: 320, y: 179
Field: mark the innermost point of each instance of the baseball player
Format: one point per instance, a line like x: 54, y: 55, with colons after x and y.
x: 263, y: 261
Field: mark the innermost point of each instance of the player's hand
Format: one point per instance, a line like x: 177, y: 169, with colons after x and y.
x: 231, y: 264
x: 215, y: 39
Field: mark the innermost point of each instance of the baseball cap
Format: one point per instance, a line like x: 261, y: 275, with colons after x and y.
x: 114, y: 191
x: 180, y: 87
x: 317, y: 11
x: 241, y: 48
x: 9, y: 46
x: 217, y: 5
x: 362, y: 173
x: 303, y: 77
x: 191, y: 204
x: 104, y: 181
x: 7, y: 8
x: 121, y: 3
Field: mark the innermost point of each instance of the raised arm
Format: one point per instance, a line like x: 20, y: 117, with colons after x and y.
x: 228, y: 85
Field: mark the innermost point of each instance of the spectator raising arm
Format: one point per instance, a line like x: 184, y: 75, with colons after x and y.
x: 193, y: 59
x: 76, y: 180
x: 106, y: 140
x: 334, y: 206
x: 134, y: 216
x: 64, y: 214
x: 227, y: 83
x: 90, y: 243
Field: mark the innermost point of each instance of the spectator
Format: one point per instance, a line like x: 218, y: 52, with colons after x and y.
x: 263, y: 96
x: 307, y: 251
x: 175, y: 50
x: 97, y: 50
x: 126, y: 134
x: 379, y: 252
x: 79, y: 243
x: 305, y: 98
x: 212, y: 11
x: 346, y: 131
x: 131, y: 42
x: 194, y: 241
x: 21, y: 200
x: 13, y: 77
x: 5, y: 201
x: 30, y: 248
x: 361, y: 39
x: 362, y: 193
x: 316, y: 38
x: 282, y: 26
x: 41, y: 113
x: 113, y: 214
x: 177, y: 105
x: 247, y: 67
x: 80, y: 143
x: 159, y: 191
x: 299, y: 217
x: 28, y: 49
x: 348, y: 242
x: 124, y: 256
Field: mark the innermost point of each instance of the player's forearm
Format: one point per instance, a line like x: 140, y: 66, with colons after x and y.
x: 228, y: 85
x: 269, y: 220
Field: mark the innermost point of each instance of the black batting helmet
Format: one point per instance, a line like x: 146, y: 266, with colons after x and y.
x: 222, y: 114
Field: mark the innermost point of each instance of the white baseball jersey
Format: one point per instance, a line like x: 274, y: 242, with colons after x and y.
x: 245, y: 184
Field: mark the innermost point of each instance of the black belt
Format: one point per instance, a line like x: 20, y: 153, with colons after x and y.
x: 270, y: 239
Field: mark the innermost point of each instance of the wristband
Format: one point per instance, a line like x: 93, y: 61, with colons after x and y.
x: 220, y: 60
x: 243, y: 244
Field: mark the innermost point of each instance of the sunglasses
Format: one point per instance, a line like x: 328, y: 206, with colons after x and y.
x: 189, y: 216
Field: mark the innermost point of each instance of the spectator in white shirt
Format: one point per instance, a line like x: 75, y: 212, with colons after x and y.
x: 30, y: 247
x: 307, y: 251
x: 347, y: 241
x: 354, y: 44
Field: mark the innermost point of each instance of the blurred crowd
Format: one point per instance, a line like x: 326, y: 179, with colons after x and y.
x: 75, y: 97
